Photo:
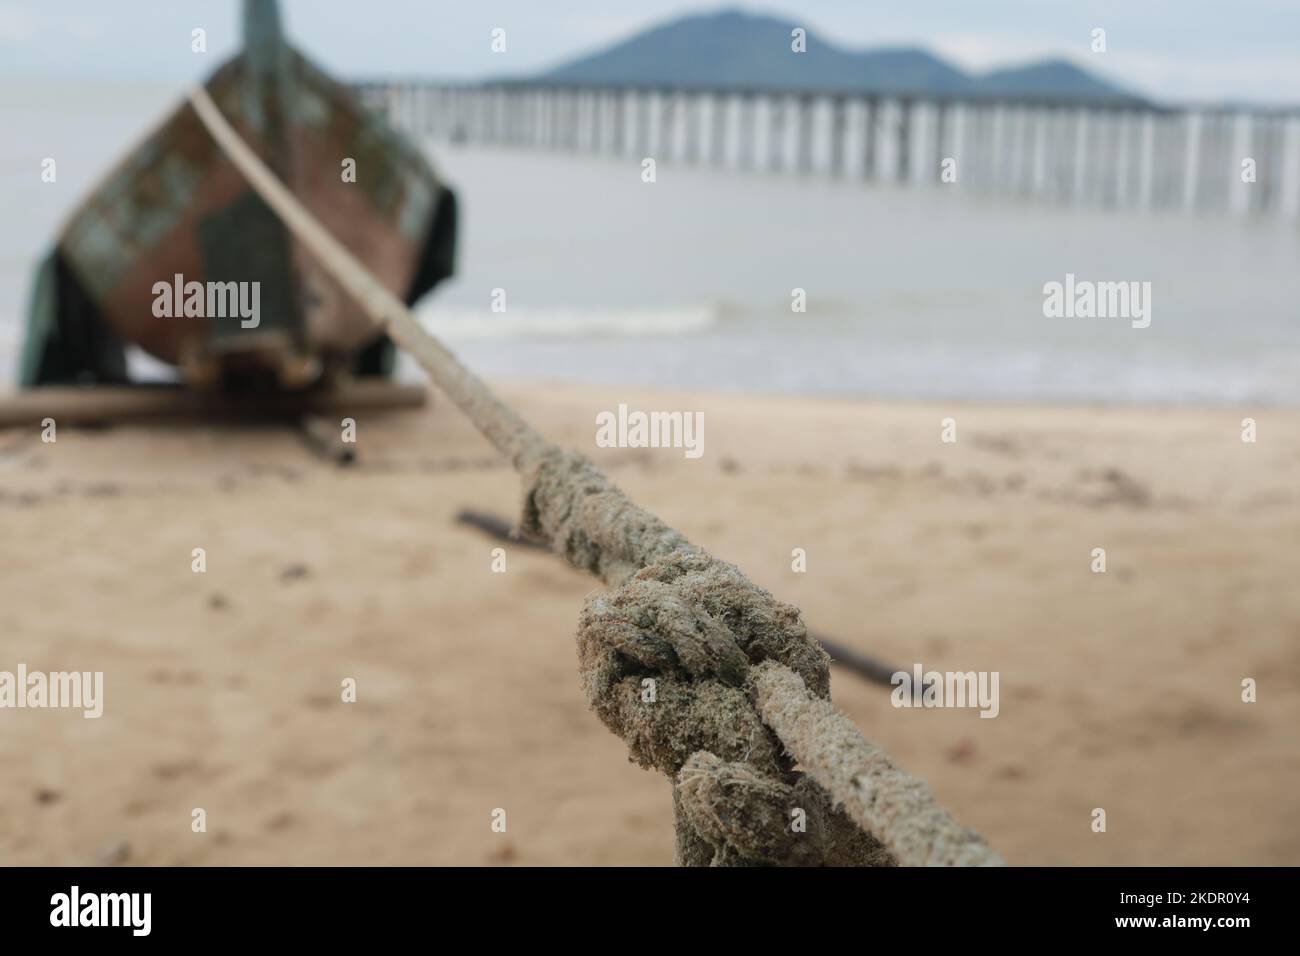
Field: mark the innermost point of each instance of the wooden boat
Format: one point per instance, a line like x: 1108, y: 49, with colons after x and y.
x: 177, y: 216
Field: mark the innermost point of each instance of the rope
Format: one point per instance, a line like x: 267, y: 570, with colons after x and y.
x: 738, y: 691
x: 509, y: 433
x: 897, y: 809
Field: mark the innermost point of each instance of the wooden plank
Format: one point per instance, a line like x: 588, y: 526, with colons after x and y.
x: 102, y: 405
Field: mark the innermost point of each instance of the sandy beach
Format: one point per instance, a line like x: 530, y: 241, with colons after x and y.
x: 1119, y: 690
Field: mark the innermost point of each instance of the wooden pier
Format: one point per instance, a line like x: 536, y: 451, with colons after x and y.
x: 1240, y: 160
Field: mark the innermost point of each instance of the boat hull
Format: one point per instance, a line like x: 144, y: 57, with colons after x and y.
x: 178, y: 213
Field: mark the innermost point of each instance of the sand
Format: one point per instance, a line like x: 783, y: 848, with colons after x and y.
x: 1119, y: 690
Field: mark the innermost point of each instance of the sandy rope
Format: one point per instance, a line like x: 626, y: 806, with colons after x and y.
x: 737, y: 685
x: 898, y: 809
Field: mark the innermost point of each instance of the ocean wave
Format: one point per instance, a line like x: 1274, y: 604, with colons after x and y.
x: 564, y: 323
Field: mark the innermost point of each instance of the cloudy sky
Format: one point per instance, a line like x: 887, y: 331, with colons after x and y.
x: 1170, y: 49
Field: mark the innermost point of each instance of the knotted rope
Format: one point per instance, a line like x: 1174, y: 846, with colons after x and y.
x: 737, y: 712
x: 737, y: 689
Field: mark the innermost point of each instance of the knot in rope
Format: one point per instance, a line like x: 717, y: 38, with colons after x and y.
x: 665, y: 661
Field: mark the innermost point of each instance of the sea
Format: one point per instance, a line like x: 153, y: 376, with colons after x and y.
x: 573, y: 269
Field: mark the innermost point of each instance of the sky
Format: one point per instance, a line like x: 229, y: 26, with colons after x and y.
x: 1174, y: 50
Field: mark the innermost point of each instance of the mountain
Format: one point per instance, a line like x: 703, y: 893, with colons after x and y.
x: 734, y: 49
x: 1057, y: 78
